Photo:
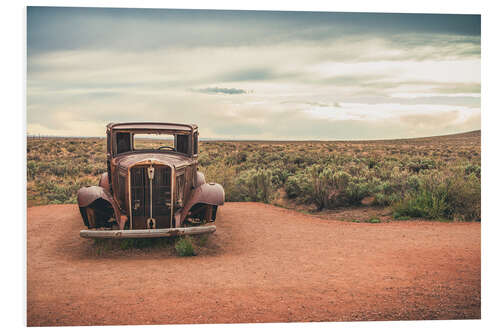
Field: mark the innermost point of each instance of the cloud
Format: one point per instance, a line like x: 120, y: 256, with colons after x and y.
x: 251, y: 75
x: 320, y: 104
x: 149, y: 29
x: 458, y: 88
x: 217, y: 90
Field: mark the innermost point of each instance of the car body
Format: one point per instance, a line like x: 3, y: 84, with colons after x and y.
x: 151, y: 191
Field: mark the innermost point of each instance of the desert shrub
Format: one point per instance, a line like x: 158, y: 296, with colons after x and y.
x: 357, y: 190
x: 323, y: 185
x: 184, y: 247
x: 55, y: 192
x: 413, y: 183
x: 425, y: 203
x: 279, y: 175
x: 99, y: 169
x: 439, y: 196
x: 421, y: 164
x: 88, y: 169
x: 382, y: 199
x: 62, y: 170
x: 203, y: 159
x: 296, y: 185
x: 31, y: 169
x: 354, y: 169
x: 473, y: 169
x: 388, y: 187
x: 326, y: 174
x: 224, y: 174
x: 465, y: 197
x: 371, y: 162
x: 241, y: 157
x: 320, y: 186
x: 255, y: 185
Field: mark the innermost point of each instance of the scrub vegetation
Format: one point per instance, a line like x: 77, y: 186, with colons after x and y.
x: 433, y: 178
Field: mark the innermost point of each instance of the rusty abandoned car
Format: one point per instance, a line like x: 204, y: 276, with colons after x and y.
x: 150, y: 189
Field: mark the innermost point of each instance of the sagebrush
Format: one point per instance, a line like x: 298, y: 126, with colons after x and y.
x: 437, y: 178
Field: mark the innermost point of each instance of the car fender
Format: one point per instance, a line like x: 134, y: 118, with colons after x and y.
x: 89, y: 194
x: 200, y: 178
x: 104, y: 181
x: 210, y: 194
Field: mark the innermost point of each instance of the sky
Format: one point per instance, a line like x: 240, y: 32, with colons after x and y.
x: 253, y: 74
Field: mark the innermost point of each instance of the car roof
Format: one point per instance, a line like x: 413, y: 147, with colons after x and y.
x: 152, y: 126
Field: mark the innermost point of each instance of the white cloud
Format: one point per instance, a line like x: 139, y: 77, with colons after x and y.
x: 346, y: 87
x: 417, y: 95
x: 431, y: 70
x: 385, y: 111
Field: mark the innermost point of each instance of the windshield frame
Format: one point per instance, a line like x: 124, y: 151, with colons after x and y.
x: 164, y: 132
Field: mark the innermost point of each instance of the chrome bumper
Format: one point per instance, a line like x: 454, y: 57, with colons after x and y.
x: 147, y: 233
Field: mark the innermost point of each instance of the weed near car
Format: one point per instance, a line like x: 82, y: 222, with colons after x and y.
x: 184, y: 247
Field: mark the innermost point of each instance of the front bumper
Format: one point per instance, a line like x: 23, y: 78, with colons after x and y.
x: 147, y: 233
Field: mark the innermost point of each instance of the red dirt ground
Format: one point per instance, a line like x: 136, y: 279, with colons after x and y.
x: 264, y: 264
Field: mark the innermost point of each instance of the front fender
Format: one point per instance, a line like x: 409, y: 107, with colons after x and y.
x: 210, y: 194
x: 89, y: 194
x: 200, y: 178
x: 104, y: 182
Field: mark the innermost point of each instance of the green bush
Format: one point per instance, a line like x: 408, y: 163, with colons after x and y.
x: 473, y: 169
x: 296, y: 186
x: 421, y: 164
x: 427, y: 204
x: 382, y: 199
x: 323, y: 182
x: 320, y: 186
x: 465, y: 197
x: 255, y: 185
x: 184, y: 247
x: 32, y: 169
x: 224, y: 174
x: 456, y: 196
x: 357, y: 190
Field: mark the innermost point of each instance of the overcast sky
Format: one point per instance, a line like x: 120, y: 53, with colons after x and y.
x: 253, y: 75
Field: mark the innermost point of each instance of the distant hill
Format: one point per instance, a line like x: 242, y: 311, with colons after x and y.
x: 465, y: 136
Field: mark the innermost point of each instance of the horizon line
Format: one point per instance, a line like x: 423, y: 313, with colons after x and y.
x: 260, y: 140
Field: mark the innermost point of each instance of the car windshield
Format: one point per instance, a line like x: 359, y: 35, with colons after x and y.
x: 154, y: 141
x: 130, y: 141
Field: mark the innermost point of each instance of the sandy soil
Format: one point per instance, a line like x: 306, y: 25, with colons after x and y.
x: 264, y: 264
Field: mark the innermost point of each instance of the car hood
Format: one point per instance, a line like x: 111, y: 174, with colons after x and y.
x: 174, y: 159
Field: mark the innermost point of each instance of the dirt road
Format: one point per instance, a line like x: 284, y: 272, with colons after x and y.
x: 264, y: 264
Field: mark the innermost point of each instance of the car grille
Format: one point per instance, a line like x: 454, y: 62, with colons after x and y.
x: 161, y: 186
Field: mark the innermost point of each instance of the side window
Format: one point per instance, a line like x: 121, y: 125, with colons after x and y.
x: 122, y: 142
x: 195, y: 143
x: 182, y: 144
